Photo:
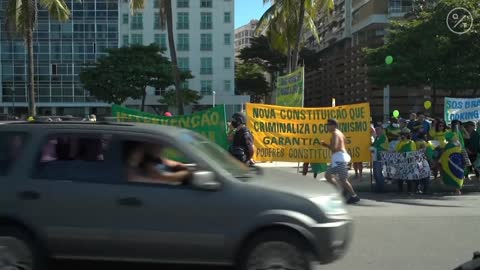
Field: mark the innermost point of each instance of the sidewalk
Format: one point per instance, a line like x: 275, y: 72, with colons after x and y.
x: 363, y: 184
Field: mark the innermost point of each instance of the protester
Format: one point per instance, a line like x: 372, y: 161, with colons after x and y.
x: 422, y: 143
x: 393, y: 130
x: 412, y: 121
x: 242, y: 144
x: 379, y: 145
x: 340, y: 160
x: 453, y: 164
x: 421, y: 122
x: 437, y: 133
x: 459, y: 135
x: 472, y: 144
x: 405, y: 145
x: 168, y: 114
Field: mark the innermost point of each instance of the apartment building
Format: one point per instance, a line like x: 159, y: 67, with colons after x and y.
x: 244, y: 34
x: 341, y: 72
x: 204, y: 36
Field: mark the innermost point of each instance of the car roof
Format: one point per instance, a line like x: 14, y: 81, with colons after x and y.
x: 101, y: 125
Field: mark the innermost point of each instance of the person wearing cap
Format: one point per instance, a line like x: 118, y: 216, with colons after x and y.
x: 340, y: 160
x: 242, y: 142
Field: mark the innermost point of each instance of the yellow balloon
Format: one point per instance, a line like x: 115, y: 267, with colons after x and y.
x: 427, y: 104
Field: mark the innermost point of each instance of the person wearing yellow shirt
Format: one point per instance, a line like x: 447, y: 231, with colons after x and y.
x: 405, y: 145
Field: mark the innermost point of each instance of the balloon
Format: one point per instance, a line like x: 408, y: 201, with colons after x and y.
x: 389, y: 60
x: 396, y: 113
x: 427, y: 104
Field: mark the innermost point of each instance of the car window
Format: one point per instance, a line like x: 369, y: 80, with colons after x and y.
x: 140, y: 156
x: 74, y: 157
x: 11, y: 147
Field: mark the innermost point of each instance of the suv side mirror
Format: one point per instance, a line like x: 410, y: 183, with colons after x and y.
x: 205, y: 180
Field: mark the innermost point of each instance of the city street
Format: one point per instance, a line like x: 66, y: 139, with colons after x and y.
x: 395, y: 232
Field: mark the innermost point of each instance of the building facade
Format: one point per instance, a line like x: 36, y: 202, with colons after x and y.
x: 342, y: 72
x: 203, y: 32
x: 244, y: 34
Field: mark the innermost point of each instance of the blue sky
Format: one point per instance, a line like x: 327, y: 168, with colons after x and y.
x: 246, y: 10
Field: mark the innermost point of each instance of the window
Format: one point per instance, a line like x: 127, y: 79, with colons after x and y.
x: 206, y: 20
x: 125, y: 40
x: 227, y: 17
x: 125, y: 18
x: 227, y: 63
x: 54, y: 69
x: 11, y: 147
x: 76, y: 158
x: 206, y: 42
x: 185, y: 85
x: 227, y: 39
x: 206, y: 88
x: 157, y: 22
x: 137, y: 39
x: 206, y: 65
x: 183, y: 42
x: 227, y: 85
x: 139, y: 156
x: 155, y: 4
x: 206, y: 3
x: 184, y: 63
x: 183, y: 3
x: 161, y: 41
x: 137, y: 22
x: 182, y: 20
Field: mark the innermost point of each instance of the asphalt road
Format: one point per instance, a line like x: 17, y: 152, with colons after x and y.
x: 394, y: 232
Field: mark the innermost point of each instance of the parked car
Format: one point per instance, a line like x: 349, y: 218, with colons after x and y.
x: 54, y: 203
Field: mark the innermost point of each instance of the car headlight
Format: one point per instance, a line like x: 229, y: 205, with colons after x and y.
x: 331, y: 204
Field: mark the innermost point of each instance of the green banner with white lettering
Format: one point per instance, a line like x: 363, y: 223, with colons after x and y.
x: 210, y: 123
x: 290, y: 89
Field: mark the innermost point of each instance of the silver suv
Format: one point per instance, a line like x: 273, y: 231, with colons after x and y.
x: 64, y: 194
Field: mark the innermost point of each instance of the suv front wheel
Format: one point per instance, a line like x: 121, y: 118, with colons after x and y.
x: 17, y: 251
x: 277, y: 250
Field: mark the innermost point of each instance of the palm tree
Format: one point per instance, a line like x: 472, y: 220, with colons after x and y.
x: 21, y: 18
x: 166, y: 18
x: 286, y: 22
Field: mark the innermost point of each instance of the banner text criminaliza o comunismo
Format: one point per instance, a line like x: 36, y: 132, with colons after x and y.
x: 295, y: 134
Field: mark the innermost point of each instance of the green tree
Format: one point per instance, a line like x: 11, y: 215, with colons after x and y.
x: 126, y: 72
x: 250, y: 80
x: 286, y: 22
x: 426, y: 52
x: 21, y: 18
x: 189, y: 96
x: 166, y: 20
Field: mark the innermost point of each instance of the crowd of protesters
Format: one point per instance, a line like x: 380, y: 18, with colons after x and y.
x: 435, y: 137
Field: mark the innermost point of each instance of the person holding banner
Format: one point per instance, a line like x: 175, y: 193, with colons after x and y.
x: 453, y: 163
x: 340, y: 160
x: 405, y: 145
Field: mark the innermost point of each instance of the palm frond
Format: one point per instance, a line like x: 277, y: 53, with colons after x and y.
x: 136, y: 5
x: 11, y: 17
x: 58, y: 9
x: 163, y: 5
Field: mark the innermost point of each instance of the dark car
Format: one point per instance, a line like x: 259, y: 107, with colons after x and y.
x: 54, y: 203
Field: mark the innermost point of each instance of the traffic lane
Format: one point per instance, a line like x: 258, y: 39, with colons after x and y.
x: 82, y: 265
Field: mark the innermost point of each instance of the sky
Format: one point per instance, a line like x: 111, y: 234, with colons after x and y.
x: 246, y: 10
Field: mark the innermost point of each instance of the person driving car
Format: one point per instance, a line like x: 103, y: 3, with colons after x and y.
x: 145, y: 164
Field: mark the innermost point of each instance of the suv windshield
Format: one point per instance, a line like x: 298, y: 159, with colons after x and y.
x: 215, y: 153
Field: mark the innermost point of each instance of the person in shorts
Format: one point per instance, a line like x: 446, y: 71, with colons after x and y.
x: 340, y: 160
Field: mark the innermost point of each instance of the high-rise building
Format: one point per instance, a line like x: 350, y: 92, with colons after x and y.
x: 60, y: 51
x: 244, y: 34
x: 342, y: 72
x: 204, y: 43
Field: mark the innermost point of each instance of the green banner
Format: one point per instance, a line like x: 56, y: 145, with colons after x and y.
x: 290, y: 89
x: 210, y: 123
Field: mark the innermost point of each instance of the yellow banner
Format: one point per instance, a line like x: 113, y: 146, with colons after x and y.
x: 295, y: 134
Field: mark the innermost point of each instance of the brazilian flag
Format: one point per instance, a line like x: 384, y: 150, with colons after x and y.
x: 453, y: 165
